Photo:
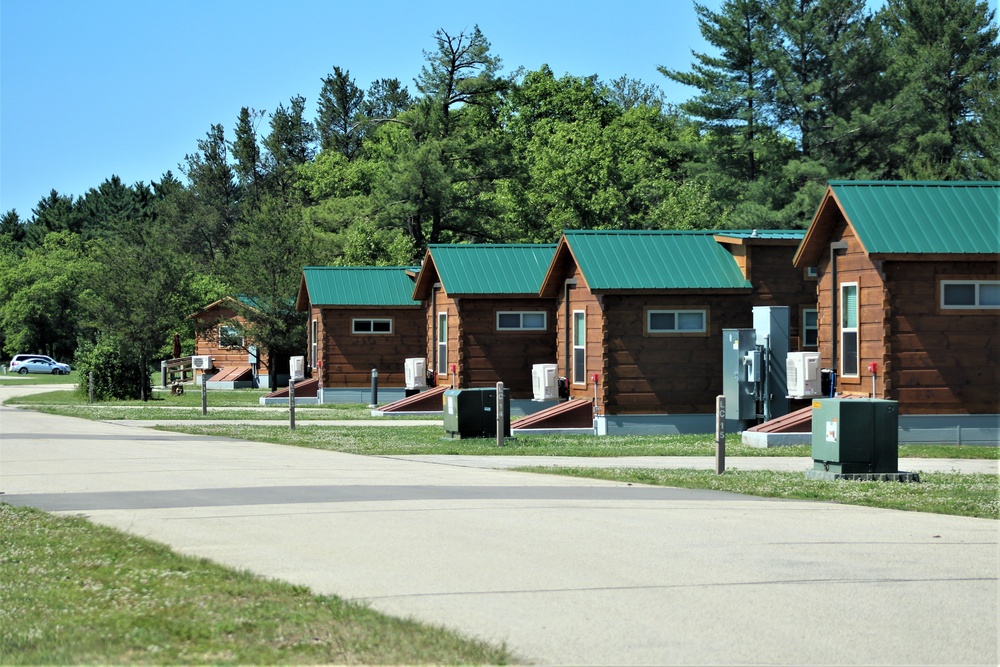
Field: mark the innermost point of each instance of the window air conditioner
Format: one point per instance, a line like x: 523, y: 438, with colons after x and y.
x: 803, y: 375
x: 202, y: 362
x: 416, y: 373
x: 296, y: 368
x: 544, y: 385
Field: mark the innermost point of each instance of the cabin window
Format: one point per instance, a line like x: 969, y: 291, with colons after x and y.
x: 810, y: 327
x: 371, y: 326
x: 849, y: 330
x: 521, y: 321
x: 970, y: 294
x: 675, y: 321
x: 579, y: 347
x: 229, y: 337
x: 442, y: 344
x: 812, y: 273
x: 314, y: 345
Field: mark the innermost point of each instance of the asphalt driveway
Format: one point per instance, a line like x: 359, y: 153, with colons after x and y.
x: 566, y: 571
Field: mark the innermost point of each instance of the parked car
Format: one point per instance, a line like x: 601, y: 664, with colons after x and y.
x: 37, y: 363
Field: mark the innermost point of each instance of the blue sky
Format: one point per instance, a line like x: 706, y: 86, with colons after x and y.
x: 92, y: 89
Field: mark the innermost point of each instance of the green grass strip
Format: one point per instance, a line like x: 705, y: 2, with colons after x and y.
x: 975, y: 495
x: 77, y: 593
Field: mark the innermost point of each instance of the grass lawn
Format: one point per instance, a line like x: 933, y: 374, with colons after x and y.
x: 975, y: 495
x: 163, y: 405
x: 17, y: 380
x: 413, y: 440
x: 77, y: 593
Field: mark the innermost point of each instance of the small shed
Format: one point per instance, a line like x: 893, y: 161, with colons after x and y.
x: 909, y: 292
x: 643, y: 311
x: 484, y: 318
x: 232, y: 361
x: 360, y: 319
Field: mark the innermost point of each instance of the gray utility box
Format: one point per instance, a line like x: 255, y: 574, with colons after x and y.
x: 471, y: 413
x: 855, y: 435
x: 741, y: 404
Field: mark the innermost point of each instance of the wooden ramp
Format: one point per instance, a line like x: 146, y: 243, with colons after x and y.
x: 232, y: 374
x: 574, y: 413
x: 426, y: 401
x: 799, y: 421
x: 303, y: 389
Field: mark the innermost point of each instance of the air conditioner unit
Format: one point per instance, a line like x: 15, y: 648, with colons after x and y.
x: 804, y: 380
x: 416, y: 373
x: 297, y: 367
x: 202, y: 362
x: 544, y: 384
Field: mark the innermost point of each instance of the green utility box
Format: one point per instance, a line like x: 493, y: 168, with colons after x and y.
x: 855, y: 435
x: 471, y: 413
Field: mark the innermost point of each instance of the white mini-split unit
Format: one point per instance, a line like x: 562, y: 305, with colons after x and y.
x: 804, y: 379
x: 416, y: 373
x: 544, y: 383
x: 297, y: 368
x: 202, y: 362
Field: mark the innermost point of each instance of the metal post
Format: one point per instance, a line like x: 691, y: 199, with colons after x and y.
x: 163, y: 373
x: 291, y: 403
x: 500, y: 415
x: 720, y: 435
x: 91, y: 385
x: 374, y: 403
x: 204, y: 394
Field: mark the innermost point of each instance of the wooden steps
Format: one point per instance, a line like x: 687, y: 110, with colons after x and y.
x: 429, y: 400
x: 232, y: 374
x: 574, y: 413
x: 799, y: 421
x: 303, y: 389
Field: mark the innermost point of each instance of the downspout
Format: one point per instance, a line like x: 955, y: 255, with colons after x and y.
x: 434, y: 325
x: 836, y: 248
x: 568, y: 346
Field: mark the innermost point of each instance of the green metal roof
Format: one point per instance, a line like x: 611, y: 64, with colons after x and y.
x: 359, y: 285
x: 627, y: 260
x: 771, y: 234
x: 479, y: 268
x: 922, y: 216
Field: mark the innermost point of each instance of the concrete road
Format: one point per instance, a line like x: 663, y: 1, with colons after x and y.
x: 566, y: 571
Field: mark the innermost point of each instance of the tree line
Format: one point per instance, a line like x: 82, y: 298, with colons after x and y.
x: 793, y: 94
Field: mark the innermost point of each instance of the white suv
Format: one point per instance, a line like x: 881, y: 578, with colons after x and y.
x: 37, y: 363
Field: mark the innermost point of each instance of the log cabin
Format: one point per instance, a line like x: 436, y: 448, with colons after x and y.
x: 484, y: 318
x: 360, y: 319
x: 909, y: 294
x: 640, y: 314
x: 236, y: 364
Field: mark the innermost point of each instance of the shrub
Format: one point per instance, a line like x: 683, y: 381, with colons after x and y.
x: 118, y: 372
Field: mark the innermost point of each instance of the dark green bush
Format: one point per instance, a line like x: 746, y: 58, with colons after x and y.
x: 117, y: 369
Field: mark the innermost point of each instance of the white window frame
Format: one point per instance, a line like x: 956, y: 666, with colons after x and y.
x: 520, y: 318
x: 442, y: 343
x: 371, y: 321
x: 856, y: 329
x: 977, y: 305
x: 314, y: 344
x: 805, y: 327
x: 579, y: 363
x: 676, y: 313
x: 233, y: 335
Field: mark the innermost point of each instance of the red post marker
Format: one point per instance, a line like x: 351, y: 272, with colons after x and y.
x: 595, y: 377
x: 873, y: 367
